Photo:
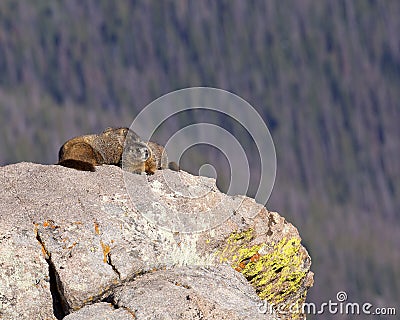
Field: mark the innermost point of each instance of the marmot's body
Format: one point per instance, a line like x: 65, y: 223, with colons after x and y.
x: 86, y: 152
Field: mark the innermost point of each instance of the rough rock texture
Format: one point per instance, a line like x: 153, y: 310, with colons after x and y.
x: 101, y: 311
x: 75, y: 243
x: 193, y: 293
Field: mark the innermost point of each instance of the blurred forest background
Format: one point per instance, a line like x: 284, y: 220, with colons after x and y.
x: 324, y: 75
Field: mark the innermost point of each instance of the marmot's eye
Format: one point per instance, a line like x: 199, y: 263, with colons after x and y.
x: 146, y: 153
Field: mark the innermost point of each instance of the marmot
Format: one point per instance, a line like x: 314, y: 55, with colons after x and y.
x: 86, y: 152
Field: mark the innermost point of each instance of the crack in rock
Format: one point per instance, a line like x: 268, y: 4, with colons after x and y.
x: 109, y: 262
x: 60, y: 304
x: 106, y: 252
x: 111, y: 300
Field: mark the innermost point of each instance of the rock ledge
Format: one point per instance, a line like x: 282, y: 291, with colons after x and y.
x: 74, y: 245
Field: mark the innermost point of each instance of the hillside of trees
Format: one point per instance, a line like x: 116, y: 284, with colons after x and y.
x: 324, y: 75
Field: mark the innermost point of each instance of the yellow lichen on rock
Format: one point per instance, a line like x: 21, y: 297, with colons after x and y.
x: 278, y: 268
x: 235, y: 251
x: 276, y: 271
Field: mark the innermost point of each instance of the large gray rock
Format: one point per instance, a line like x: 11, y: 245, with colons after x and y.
x: 73, y: 242
x: 181, y: 293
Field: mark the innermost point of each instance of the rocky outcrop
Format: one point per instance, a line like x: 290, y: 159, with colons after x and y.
x: 76, y: 245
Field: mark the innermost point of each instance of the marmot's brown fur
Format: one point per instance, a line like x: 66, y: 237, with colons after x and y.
x: 86, y: 152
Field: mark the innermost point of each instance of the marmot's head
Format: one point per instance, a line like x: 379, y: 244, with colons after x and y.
x: 134, y: 157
